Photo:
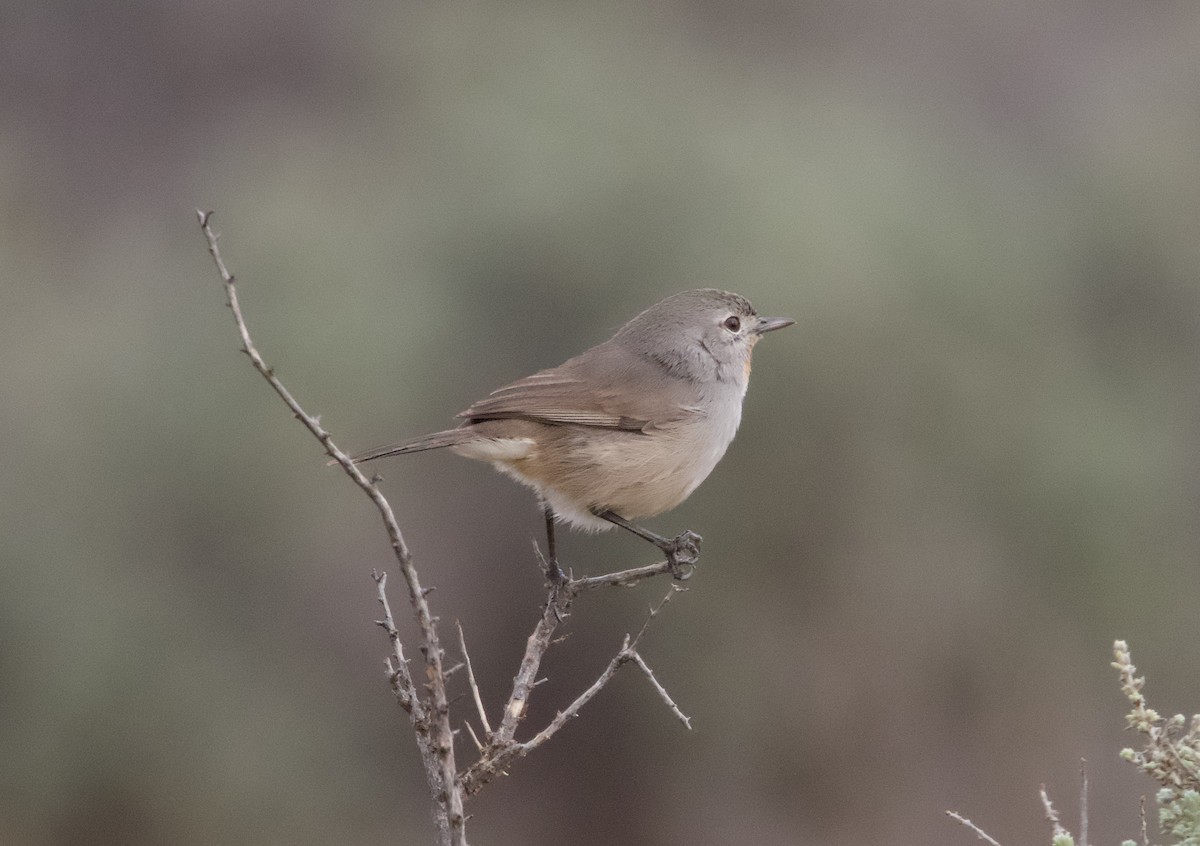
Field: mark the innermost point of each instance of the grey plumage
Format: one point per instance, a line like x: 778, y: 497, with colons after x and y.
x: 632, y: 425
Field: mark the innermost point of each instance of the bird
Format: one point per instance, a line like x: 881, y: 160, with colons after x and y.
x: 625, y: 430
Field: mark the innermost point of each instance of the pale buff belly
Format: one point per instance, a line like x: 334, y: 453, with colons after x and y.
x: 578, y: 470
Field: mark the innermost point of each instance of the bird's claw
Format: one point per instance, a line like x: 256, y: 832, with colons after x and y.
x: 557, y: 597
x: 683, y: 554
x: 555, y: 575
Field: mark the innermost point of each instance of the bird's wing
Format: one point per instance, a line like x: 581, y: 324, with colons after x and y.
x: 590, y: 390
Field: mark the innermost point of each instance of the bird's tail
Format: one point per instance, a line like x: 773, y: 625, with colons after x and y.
x: 437, y: 440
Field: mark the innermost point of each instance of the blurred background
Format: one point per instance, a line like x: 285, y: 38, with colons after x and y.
x: 972, y: 465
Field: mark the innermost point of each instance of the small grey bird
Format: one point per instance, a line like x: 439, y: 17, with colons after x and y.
x: 625, y: 430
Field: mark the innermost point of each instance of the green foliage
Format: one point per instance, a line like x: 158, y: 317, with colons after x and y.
x: 1179, y: 815
x: 1170, y: 754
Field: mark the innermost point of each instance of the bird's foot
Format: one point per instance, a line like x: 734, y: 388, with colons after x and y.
x: 555, y: 574
x: 683, y: 554
x: 558, y: 595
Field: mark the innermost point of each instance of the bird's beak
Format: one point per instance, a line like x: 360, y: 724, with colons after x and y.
x: 770, y: 324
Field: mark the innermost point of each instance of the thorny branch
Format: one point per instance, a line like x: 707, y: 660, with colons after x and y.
x: 427, y: 705
x: 431, y: 716
x: 979, y: 832
x: 503, y: 750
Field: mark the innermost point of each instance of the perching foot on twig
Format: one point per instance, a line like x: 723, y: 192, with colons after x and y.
x: 682, y: 551
x: 683, y: 554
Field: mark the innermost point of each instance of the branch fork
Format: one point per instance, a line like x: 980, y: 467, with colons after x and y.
x: 427, y: 705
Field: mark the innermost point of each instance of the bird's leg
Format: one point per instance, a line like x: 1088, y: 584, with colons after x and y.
x: 553, y: 572
x: 683, y: 551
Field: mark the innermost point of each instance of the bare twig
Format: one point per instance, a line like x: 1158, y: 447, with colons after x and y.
x: 427, y: 703
x: 627, y: 654
x: 474, y: 737
x: 561, y: 718
x: 979, y: 832
x: 462, y: 642
x: 662, y: 691
x: 1145, y: 834
x: 1083, y: 802
x: 504, y: 749
x: 398, y: 674
x: 623, y: 578
x: 557, y: 604
x: 434, y: 734
x: 654, y: 609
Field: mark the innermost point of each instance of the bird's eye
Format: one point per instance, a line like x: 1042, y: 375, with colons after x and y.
x: 732, y: 323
